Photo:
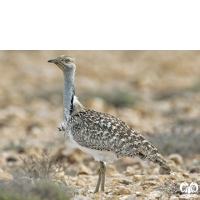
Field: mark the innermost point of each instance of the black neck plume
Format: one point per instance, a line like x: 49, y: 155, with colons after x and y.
x: 72, y: 105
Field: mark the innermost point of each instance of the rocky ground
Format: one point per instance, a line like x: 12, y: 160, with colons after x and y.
x: 155, y: 92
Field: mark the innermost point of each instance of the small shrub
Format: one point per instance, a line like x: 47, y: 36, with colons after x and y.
x: 41, y: 180
x: 170, y: 187
x: 43, y: 190
x: 117, y: 98
x: 20, y: 148
x: 180, y: 139
x: 45, y: 167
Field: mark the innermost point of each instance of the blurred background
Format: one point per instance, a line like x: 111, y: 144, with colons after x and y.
x: 155, y: 92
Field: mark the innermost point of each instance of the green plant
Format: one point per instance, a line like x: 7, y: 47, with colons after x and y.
x: 43, y: 190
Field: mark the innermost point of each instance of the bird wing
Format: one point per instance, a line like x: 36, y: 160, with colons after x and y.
x: 101, y: 131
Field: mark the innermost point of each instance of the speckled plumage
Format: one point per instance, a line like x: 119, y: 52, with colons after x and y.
x: 104, y: 132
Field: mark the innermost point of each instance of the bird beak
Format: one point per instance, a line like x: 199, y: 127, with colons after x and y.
x: 52, y: 61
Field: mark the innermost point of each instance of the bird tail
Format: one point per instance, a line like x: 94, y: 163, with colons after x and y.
x: 156, y: 158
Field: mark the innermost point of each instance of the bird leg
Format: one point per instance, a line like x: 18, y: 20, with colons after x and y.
x: 101, y: 179
x: 103, y: 174
x: 98, y: 182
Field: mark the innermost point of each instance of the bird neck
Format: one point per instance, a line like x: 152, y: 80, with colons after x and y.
x: 68, y: 94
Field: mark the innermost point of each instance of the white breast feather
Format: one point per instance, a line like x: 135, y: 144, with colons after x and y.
x: 98, y: 155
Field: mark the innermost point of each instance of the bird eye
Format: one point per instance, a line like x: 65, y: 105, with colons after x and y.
x: 67, y: 60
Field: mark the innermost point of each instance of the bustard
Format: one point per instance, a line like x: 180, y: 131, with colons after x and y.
x: 99, y: 134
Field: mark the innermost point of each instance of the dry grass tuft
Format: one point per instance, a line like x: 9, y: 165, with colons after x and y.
x: 44, y: 178
x: 46, y: 167
x: 180, y: 139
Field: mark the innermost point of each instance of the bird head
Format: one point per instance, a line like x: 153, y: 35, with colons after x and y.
x: 65, y: 63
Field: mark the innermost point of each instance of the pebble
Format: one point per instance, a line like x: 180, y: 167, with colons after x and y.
x: 138, y: 177
x: 80, y: 197
x: 174, y: 198
x: 124, y: 191
x: 188, y: 197
x: 153, y: 196
x: 113, y: 198
x: 176, y: 176
x: 130, y: 197
x: 80, y: 183
x: 138, y: 193
x: 151, y: 183
x: 195, y: 169
x: 84, y: 170
x: 176, y: 158
x: 130, y: 171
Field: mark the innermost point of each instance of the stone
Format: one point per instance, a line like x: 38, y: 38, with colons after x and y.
x: 138, y: 193
x: 80, y: 197
x: 80, y: 183
x: 195, y: 169
x: 113, y: 198
x: 130, y: 170
x: 130, y: 197
x: 138, y: 178
x: 84, y: 170
x: 153, y: 196
x: 176, y: 176
x: 188, y: 197
x: 176, y: 158
x: 151, y: 183
x: 186, y: 175
x: 174, y: 198
x: 125, y: 182
x: 97, y: 196
x: 124, y: 191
